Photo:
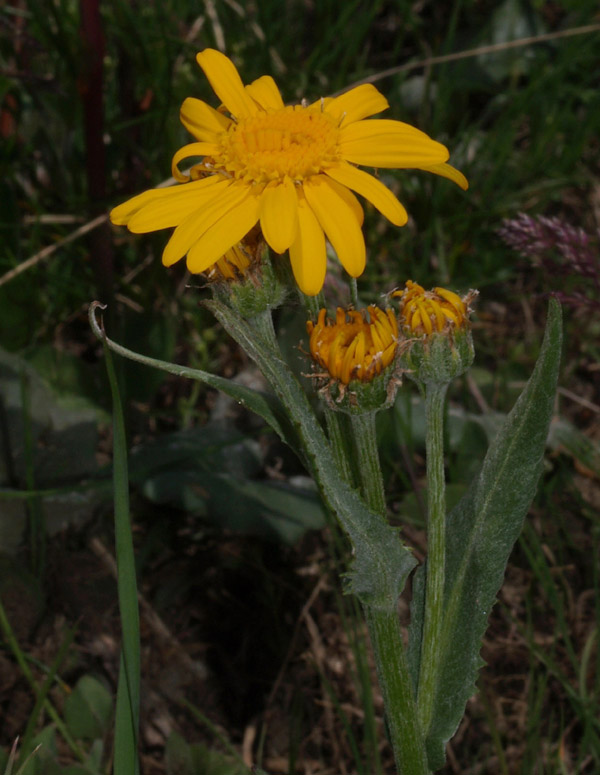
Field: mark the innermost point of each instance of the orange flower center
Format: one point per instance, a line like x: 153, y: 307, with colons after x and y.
x: 427, y: 311
x: 353, y: 347
x: 295, y: 142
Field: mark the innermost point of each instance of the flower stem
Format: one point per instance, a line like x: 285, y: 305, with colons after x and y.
x: 381, y: 562
x: 365, y: 443
x: 397, y: 689
x: 354, y: 292
x: 436, y: 552
x: 342, y: 444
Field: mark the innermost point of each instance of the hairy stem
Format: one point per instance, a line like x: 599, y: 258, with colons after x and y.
x: 436, y: 552
x: 367, y: 453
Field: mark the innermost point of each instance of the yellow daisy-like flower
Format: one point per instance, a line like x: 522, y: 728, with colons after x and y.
x: 293, y: 169
x: 427, y: 311
x: 354, y: 347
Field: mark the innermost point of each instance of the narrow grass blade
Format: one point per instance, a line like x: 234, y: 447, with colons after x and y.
x: 43, y: 693
x: 128, y: 693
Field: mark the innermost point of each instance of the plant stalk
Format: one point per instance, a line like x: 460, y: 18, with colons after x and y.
x: 340, y: 438
x: 397, y: 688
x: 435, y: 395
x: 365, y: 443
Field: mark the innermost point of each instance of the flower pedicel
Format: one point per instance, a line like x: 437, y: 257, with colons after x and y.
x: 292, y: 169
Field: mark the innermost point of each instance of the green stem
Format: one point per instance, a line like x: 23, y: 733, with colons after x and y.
x: 354, y: 292
x: 397, y: 689
x: 367, y: 453
x: 340, y: 438
x: 380, y: 565
x: 312, y: 304
x: 436, y: 552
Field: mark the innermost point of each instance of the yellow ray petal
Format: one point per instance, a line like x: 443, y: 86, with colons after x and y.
x: 226, y: 83
x: 350, y: 200
x: 372, y: 189
x: 188, y: 151
x: 383, y: 143
x: 222, y: 235
x: 450, y: 172
x: 307, y: 253
x: 264, y: 91
x: 358, y: 103
x: 338, y: 221
x: 202, y: 121
x: 279, y: 215
x: 199, y: 221
x: 172, y: 210
x: 121, y: 214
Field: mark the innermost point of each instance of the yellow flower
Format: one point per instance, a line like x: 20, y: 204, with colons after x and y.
x: 353, y: 347
x: 290, y: 168
x: 427, y: 311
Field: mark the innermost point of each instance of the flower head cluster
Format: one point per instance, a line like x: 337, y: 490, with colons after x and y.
x: 427, y: 311
x: 293, y: 169
x: 535, y: 236
x: 565, y: 252
x: 358, y: 345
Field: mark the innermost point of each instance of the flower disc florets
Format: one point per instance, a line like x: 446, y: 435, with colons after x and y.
x: 355, y: 349
x: 424, y: 311
x: 291, y: 142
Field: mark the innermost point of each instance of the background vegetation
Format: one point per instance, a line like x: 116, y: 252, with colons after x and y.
x: 249, y: 651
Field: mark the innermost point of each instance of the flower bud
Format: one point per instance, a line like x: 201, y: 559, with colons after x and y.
x: 244, y: 278
x: 440, y: 346
x: 356, y: 353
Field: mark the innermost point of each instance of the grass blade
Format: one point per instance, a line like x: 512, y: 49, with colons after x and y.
x: 128, y: 693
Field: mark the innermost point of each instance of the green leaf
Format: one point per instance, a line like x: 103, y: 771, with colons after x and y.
x: 88, y: 710
x: 565, y: 436
x: 42, y: 760
x: 265, y: 405
x: 275, y: 510
x: 207, y: 761
x: 481, y: 531
x: 216, y: 446
x: 178, y: 756
x: 185, y: 759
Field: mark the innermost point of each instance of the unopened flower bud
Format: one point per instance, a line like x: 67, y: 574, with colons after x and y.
x: 436, y: 322
x: 244, y: 277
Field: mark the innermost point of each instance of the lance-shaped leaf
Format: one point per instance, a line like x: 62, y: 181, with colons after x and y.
x: 481, y: 531
x: 265, y: 405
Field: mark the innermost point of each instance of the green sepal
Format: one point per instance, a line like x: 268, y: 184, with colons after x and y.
x: 364, y: 397
x: 439, y: 357
x: 480, y: 533
x: 260, y: 290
